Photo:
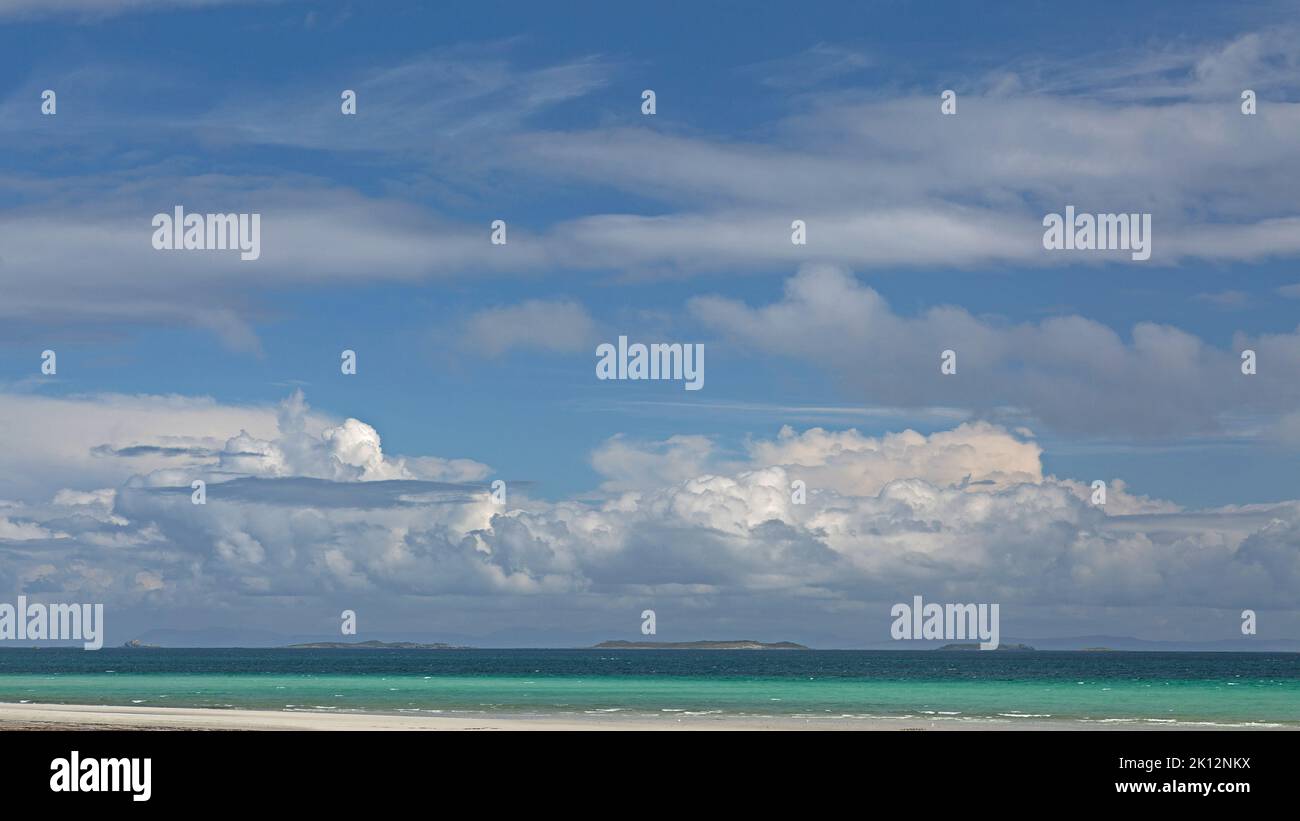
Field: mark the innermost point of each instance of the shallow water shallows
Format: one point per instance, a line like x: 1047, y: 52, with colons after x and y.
x: 1210, y: 688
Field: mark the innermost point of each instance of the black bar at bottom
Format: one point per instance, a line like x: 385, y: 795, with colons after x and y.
x: 334, y: 771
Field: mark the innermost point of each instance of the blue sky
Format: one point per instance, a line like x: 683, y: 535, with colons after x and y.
x: 923, y: 235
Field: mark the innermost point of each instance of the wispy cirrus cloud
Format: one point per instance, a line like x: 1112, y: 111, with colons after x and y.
x: 540, y: 325
x: 88, y: 11
x: 882, y: 181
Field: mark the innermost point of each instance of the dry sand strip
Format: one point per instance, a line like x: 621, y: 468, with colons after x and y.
x: 81, y: 716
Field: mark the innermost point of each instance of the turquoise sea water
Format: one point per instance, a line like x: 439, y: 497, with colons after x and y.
x: 1250, y: 689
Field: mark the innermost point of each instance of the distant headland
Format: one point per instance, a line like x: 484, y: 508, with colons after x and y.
x: 742, y: 644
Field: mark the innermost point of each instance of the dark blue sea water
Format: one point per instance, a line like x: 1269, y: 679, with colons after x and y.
x: 1250, y: 689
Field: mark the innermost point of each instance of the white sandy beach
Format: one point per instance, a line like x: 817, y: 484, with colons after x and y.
x: 83, y: 716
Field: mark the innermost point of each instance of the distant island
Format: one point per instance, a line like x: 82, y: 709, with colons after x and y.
x: 372, y: 645
x: 1000, y: 647
x: 742, y: 644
